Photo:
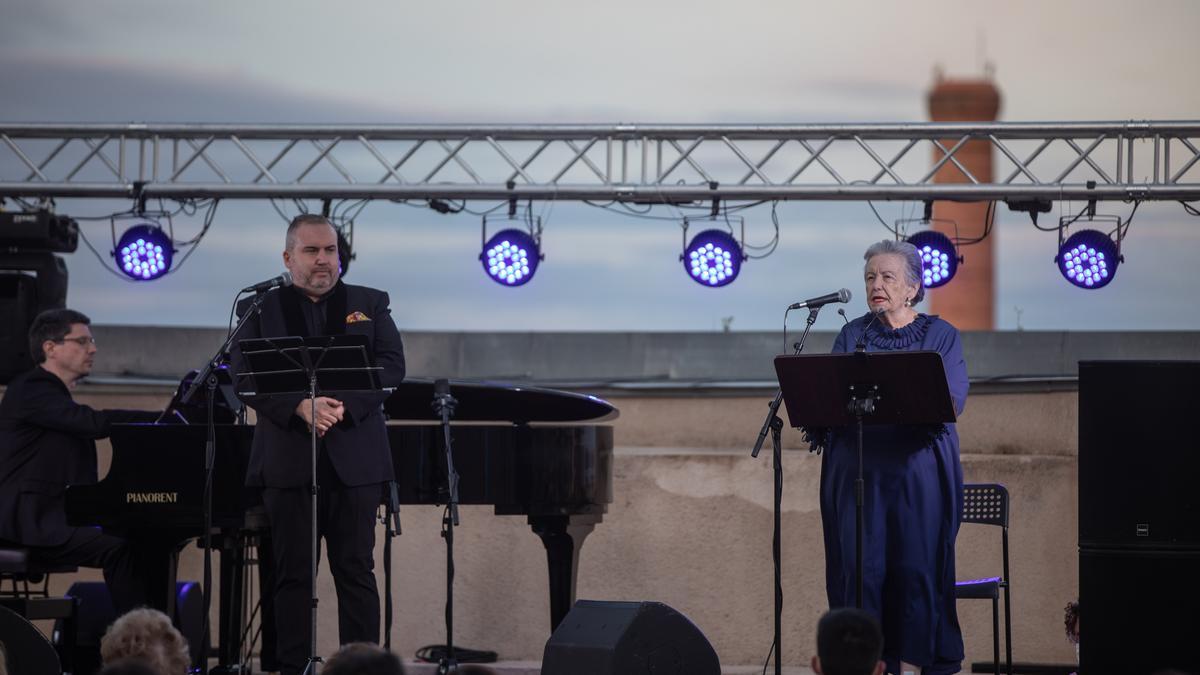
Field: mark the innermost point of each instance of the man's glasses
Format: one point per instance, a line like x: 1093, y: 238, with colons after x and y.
x: 82, y: 341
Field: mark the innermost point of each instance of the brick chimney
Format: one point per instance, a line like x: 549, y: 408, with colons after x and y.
x: 968, y: 301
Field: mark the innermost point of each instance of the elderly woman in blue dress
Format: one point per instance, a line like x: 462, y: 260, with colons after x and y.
x: 913, y: 484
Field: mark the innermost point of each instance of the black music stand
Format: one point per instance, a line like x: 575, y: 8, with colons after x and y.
x: 836, y: 390
x: 326, y: 365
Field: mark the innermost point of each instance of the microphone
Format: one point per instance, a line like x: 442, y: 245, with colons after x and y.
x: 860, y: 345
x: 284, y: 279
x: 813, y: 303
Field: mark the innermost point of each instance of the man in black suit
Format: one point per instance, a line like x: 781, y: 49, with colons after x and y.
x: 353, y: 455
x: 47, y: 441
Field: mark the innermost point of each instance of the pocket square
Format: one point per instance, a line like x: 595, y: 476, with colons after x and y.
x: 355, y: 317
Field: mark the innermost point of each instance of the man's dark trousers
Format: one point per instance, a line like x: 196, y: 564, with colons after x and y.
x: 345, y: 520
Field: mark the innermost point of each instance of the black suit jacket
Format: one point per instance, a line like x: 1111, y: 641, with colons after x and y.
x: 357, y: 446
x: 47, y: 441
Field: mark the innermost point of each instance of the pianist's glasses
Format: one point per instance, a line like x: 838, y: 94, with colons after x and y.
x: 82, y: 341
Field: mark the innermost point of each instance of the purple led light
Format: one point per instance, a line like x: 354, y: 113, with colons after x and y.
x: 510, y: 257
x: 1088, y: 259
x: 144, y: 252
x: 939, y: 259
x: 713, y: 258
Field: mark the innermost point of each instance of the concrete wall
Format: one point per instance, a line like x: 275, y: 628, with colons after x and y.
x: 598, y: 358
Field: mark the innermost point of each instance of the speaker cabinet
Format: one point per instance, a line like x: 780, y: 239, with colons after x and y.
x: 1139, y: 517
x: 627, y: 638
x: 1137, y: 612
x: 1139, y: 464
x: 96, y: 614
x: 30, y: 282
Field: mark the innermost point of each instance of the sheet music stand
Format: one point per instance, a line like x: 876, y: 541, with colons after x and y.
x: 836, y: 390
x: 315, y: 366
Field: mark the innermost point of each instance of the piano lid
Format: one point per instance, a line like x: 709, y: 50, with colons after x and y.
x: 480, y: 401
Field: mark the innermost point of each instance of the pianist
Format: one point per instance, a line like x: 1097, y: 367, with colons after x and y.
x: 47, y: 441
x: 353, y: 455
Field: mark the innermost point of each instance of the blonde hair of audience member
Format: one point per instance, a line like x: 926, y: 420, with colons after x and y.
x: 363, y: 658
x: 147, y: 634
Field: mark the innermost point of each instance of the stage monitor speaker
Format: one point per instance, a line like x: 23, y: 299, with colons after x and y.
x: 627, y: 638
x: 26, y: 650
x: 29, y: 284
x: 96, y: 614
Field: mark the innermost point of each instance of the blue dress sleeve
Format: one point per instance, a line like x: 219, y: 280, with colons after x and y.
x: 949, y: 345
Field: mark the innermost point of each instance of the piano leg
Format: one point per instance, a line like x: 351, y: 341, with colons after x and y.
x: 563, y: 537
x: 230, y: 621
x: 266, y: 600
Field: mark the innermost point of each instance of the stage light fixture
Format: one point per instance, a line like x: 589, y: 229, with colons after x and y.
x: 713, y: 258
x: 144, y: 252
x: 1088, y: 259
x: 939, y: 258
x: 510, y: 257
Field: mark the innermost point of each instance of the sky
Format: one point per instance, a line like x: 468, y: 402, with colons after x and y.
x: 652, y: 61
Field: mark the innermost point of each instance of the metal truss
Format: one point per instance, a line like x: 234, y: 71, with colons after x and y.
x: 623, y: 162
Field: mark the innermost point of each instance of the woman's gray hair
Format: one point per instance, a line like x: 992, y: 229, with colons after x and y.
x: 912, y: 268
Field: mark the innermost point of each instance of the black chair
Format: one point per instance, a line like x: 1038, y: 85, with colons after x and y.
x: 987, y: 504
x: 25, y: 598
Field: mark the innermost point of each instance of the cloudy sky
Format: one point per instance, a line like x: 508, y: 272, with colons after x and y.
x: 650, y: 61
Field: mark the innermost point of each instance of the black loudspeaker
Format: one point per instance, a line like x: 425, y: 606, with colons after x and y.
x: 29, y: 284
x: 1139, y: 517
x: 1138, y: 612
x: 26, y: 650
x: 627, y: 638
x: 96, y: 614
x: 1139, y: 469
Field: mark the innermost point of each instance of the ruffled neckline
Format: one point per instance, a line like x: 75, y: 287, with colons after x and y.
x: 883, y: 337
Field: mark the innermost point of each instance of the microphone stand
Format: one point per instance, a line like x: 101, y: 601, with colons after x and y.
x: 860, y: 405
x: 774, y: 425
x: 444, y: 404
x: 391, y: 528
x: 207, y: 377
x: 314, y: 488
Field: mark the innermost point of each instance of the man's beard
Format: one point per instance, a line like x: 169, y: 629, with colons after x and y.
x: 321, y: 282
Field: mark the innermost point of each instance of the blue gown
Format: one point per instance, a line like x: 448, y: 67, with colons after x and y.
x: 913, y: 498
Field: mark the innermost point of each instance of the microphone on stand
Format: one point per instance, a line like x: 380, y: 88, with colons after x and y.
x: 812, y: 303
x: 284, y: 279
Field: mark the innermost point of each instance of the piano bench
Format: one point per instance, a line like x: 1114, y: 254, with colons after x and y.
x: 36, y: 604
x: 15, y: 566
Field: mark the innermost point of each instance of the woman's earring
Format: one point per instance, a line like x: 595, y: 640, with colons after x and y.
x: 908, y: 303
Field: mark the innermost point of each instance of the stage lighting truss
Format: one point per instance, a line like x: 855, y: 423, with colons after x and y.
x: 145, y: 250
x: 939, y: 254
x: 510, y: 257
x: 1089, y: 257
x: 714, y: 256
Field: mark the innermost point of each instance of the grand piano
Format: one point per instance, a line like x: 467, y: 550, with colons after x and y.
x: 528, y: 451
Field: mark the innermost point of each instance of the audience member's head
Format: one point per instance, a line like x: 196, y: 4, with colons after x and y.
x: 363, y: 658
x: 147, y: 634
x: 849, y: 642
x: 129, y: 666
x: 474, y: 669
